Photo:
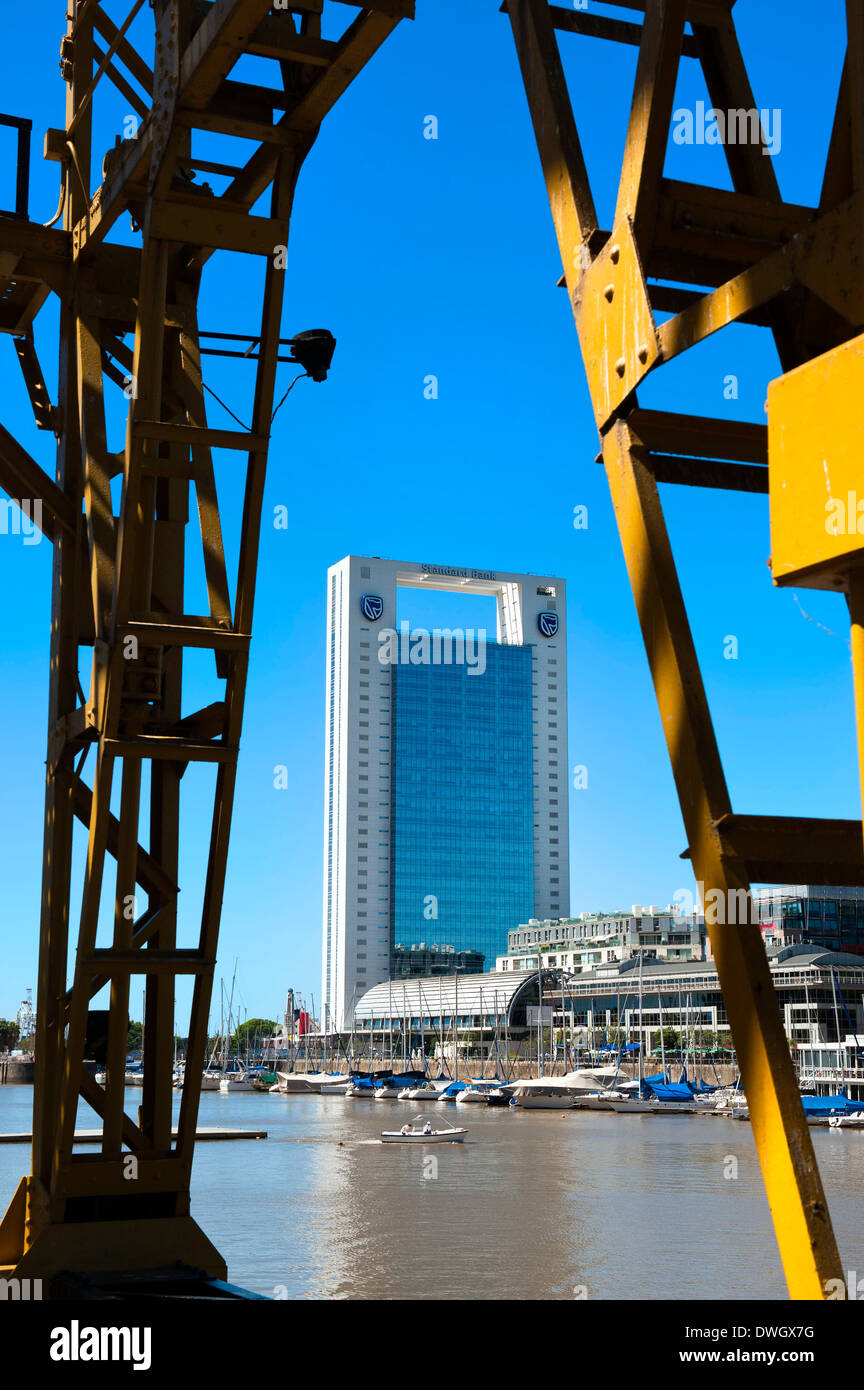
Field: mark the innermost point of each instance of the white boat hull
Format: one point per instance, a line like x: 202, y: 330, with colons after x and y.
x: 544, y: 1102
x: 297, y: 1084
x: 207, y: 1083
x: 653, y: 1107
x: 598, y: 1102
x: 631, y: 1107
x: 438, y: 1136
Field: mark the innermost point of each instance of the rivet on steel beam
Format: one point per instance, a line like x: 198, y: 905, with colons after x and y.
x: 615, y: 255
x: 643, y: 355
x: 621, y: 366
x: 609, y: 292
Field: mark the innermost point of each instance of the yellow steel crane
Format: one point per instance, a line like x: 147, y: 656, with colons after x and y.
x: 639, y: 300
x: 798, y: 271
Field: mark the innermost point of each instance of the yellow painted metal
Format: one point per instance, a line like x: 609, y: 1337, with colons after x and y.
x: 615, y: 323
x: 789, y: 1170
x: 749, y: 245
x: 856, y: 613
x: 124, y: 578
x: 816, y: 478
x: 816, y: 488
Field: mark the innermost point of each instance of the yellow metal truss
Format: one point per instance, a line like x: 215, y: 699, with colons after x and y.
x: 797, y: 271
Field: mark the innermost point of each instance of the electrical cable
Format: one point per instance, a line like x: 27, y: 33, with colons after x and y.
x: 287, y: 394
x: 226, y: 407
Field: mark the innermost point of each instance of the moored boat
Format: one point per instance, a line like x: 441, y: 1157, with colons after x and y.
x: 478, y: 1091
x: 424, y: 1090
x: 545, y: 1093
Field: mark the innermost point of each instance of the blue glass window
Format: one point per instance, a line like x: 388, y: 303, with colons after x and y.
x: 462, y: 867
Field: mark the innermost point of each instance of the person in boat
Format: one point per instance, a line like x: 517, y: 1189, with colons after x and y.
x: 406, y: 1129
x: 427, y: 1128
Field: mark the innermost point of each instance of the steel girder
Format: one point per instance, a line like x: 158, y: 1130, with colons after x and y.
x: 119, y: 579
x: 797, y: 271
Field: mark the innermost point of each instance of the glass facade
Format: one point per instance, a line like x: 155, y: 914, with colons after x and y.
x: 835, y: 923
x: 462, y: 870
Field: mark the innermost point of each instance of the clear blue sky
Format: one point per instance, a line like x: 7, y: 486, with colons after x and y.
x: 439, y: 257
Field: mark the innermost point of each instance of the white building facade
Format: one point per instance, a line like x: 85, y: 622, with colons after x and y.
x: 446, y: 773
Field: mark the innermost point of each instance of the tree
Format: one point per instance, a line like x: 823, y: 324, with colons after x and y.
x: 134, y: 1036
x: 671, y: 1040
x: 8, y: 1034
x: 253, y: 1028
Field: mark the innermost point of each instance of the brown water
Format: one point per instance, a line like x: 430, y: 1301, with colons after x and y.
x: 533, y: 1205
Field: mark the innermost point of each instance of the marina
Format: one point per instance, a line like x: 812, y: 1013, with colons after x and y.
x: 529, y: 1206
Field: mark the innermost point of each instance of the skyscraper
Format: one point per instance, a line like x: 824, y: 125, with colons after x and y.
x: 445, y: 817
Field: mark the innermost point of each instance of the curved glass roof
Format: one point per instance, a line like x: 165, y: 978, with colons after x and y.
x: 435, y: 995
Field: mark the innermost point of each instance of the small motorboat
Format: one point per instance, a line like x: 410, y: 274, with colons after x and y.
x: 410, y: 1134
x: 478, y: 1091
x: 544, y: 1094
x: 599, y: 1100
x: 388, y: 1089
x: 236, y: 1081
x: 297, y: 1082
x: 854, y: 1120
x: 425, y: 1090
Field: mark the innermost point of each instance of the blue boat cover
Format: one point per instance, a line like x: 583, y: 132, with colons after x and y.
x: 831, y: 1105
x: 671, y: 1092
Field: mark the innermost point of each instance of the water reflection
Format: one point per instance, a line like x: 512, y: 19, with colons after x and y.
x: 534, y: 1205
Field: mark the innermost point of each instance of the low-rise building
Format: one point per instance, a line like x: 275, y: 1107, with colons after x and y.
x: 421, y: 959
x: 596, y: 938
x: 823, y: 916
x: 479, y: 1006
x: 820, y: 993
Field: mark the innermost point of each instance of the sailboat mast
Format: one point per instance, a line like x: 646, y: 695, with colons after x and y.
x: 641, y: 1034
x: 563, y: 1031
x: 840, y: 1054
x: 456, y: 1020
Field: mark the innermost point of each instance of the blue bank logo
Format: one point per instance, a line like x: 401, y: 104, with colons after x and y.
x: 372, y: 606
x: 547, y: 623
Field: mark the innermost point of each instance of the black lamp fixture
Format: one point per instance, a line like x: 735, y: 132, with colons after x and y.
x: 313, y: 351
